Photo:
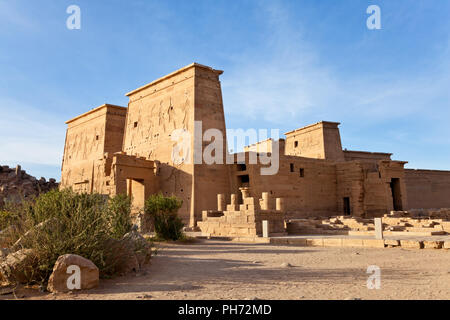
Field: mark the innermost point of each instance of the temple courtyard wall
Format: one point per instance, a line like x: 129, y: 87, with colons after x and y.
x: 427, y: 189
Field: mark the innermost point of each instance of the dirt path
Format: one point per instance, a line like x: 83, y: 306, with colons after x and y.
x: 224, y: 270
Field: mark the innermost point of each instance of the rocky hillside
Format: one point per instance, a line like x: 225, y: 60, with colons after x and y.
x: 15, y: 183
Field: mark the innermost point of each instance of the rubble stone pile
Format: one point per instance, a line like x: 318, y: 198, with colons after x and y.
x: 429, y: 223
x: 16, y: 184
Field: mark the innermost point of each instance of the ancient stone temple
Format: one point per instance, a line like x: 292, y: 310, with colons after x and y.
x: 113, y: 150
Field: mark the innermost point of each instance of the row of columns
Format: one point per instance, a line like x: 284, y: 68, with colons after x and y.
x: 265, y: 204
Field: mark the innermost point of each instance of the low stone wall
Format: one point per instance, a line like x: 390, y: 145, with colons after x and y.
x: 395, y: 223
x: 367, y: 243
x: 443, y: 213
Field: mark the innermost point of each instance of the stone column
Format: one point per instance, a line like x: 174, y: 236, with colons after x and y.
x: 265, y: 201
x: 265, y: 228
x: 234, y: 203
x: 19, y: 171
x: 233, y: 199
x: 280, y: 204
x: 221, y: 203
x: 245, y: 192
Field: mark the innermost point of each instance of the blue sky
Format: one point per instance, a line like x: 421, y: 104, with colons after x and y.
x: 287, y: 64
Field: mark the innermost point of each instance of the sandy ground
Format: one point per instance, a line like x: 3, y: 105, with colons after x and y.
x: 225, y: 270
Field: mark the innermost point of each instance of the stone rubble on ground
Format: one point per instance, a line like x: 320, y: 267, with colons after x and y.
x: 18, y: 267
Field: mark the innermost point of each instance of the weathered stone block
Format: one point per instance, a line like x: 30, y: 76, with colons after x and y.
x: 297, y: 241
x: 314, y: 242
x: 249, y: 201
x: 251, y: 207
x: 352, y: 243
x: 433, y: 244
x: 411, y: 244
x: 392, y: 243
x: 373, y: 243
x: 332, y: 242
x: 18, y: 266
x: 278, y: 241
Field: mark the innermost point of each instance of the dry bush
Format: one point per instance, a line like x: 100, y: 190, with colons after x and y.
x: 62, y: 222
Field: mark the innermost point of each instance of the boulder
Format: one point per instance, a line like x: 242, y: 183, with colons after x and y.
x: 124, y: 258
x: 19, y: 267
x: 127, y: 259
x: 89, y: 274
x: 128, y: 263
x: 130, y: 253
x: 140, y: 246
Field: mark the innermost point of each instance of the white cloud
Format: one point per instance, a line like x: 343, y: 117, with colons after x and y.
x: 285, y: 80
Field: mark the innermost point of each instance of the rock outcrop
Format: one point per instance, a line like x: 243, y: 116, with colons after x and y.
x: 16, y: 184
x: 132, y: 252
x: 137, y: 243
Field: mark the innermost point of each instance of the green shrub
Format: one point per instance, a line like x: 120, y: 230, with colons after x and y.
x: 119, y: 215
x: 7, y: 218
x: 163, y: 210
x: 62, y: 222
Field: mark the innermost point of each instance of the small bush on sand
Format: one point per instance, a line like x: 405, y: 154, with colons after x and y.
x: 163, y: 210
x: 61, y: 222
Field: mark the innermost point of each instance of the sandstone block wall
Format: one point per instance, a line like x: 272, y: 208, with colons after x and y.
x: 427, y: 189
x: 154, y: 112
x: 308, y: 186
x: 88, y: 138
x: 175, y: 102
x: 363, y: 155
x: 321, y: 141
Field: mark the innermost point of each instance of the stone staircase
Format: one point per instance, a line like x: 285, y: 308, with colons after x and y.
x: 244, y: 220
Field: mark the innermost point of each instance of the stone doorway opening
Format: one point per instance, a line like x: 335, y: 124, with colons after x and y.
x: 347, y: 210
x: 396, y: 194
x: 136, y: 191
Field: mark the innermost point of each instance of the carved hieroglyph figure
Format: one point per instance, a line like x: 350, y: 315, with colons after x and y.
x: 135, y: 130
x: 184, y: 112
